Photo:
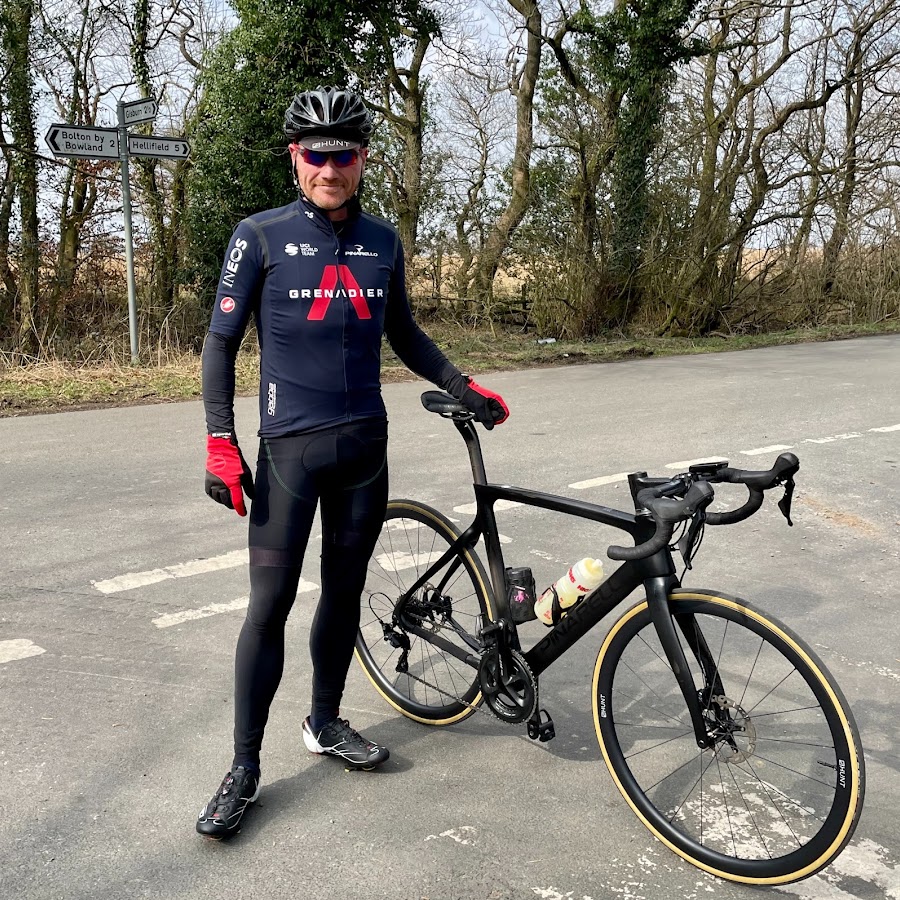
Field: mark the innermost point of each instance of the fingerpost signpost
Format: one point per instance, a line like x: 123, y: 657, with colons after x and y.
x: 87, y: 142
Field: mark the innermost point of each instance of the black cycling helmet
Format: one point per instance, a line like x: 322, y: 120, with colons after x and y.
x: 328, y: 112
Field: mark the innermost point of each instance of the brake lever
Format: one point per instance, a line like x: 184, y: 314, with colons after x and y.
x: 784, y: 504
x: 687, y: 540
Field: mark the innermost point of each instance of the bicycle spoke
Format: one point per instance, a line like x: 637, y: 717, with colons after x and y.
x: 762, y: 839
x: 691, y: 791
x: 660, y: 744
x: 655, y: 694
x: 774, y: 804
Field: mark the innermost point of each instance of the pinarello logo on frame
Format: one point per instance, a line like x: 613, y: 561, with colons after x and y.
x: 227, y: 304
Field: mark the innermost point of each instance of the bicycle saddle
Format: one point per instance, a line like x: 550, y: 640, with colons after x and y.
x: 442, y: 404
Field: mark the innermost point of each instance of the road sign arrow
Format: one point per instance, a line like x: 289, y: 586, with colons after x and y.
x: 139, y: 111
x: 83, y: 142
x: 157, y: 146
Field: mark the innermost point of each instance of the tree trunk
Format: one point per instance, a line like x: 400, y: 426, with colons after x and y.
x: 853, y: 107
x: 20, y: 94
x: 7, y: 282
x: 499, y: 237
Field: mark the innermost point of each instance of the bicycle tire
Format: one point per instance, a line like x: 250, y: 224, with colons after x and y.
x: 414, y: 536
x: 789, y: 806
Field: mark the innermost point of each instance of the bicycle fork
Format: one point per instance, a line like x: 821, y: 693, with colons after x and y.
x: 658, y: 589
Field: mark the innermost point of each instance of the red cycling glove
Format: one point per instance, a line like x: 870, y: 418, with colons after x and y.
x: 228, y: 476
x: 489, y: 408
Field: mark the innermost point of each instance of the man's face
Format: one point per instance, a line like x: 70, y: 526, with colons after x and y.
x: 329, y: 186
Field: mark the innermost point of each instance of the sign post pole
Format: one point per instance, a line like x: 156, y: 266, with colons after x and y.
x: 89, y: 142
x: 129, y: 244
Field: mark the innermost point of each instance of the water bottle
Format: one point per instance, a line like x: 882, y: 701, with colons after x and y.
x: 581, y: 579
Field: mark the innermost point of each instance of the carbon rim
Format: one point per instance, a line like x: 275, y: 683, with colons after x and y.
x: 780, y: 795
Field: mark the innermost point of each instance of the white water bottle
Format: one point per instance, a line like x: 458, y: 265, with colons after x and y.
x: 581, y: 579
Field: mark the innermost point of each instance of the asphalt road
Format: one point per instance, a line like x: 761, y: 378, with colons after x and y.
x: 115, y: 692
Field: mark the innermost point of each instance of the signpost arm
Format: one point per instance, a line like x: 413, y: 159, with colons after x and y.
x: 129, y: 247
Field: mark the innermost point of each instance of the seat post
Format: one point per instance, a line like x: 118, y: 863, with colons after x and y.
x: 467, y: 429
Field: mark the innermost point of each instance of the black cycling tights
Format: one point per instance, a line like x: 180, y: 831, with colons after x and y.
x: 345, y: 469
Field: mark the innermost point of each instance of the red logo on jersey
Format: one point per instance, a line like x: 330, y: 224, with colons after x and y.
x: 326, y: 291
x: 227, y: 304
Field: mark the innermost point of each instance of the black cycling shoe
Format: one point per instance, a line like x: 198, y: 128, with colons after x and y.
x: 221, y: 817
x: 338, y: 739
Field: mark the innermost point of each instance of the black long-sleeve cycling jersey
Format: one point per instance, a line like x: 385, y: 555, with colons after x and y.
x: 322, y: 295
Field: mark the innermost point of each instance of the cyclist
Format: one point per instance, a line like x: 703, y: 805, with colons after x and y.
x: 323, y: 281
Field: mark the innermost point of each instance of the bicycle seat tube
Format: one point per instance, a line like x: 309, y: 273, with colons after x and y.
x: 485, y: 522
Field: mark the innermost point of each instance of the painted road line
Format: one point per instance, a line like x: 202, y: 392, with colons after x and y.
x: 19, y: 648
x: 398, y: 562
x: 470, y: 508
x: 132, y: 580
x: 215, y: 609
x: 886, y: 428
x: 687, y: 463
x: 502, y: 538
x: 598, y: 482
x: 834, y: 437
x: 775, y: 448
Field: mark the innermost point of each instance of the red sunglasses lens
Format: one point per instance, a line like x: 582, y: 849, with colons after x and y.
x: 341, y: 158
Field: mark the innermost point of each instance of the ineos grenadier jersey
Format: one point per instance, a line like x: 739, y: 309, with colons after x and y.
x: 322, y: 295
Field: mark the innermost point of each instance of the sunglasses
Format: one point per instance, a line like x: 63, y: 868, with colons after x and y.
x: 341, y: 158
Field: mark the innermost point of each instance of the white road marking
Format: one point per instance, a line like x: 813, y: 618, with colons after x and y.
x: 775, y: 448
x: 465, y: 834
x: 397, y: 562
x: 471, y: 508
x: 502, y: 537
x: 132, y: 580
x: 598, y: 482
x: 215, y: 609
x: 687, y: 463
x: 835, y: 437
x: 551, y: 893
x: 864, y: 861
x: 18, y: 648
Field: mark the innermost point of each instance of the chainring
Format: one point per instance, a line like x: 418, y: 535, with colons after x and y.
x: 508, y: 685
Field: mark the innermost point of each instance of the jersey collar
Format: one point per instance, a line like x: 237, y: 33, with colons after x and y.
x: 317, y: 215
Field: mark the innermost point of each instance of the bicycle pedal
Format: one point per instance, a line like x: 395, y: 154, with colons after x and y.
x: 540, y: 727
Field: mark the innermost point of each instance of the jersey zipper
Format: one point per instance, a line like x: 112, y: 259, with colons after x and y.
x: 337, y: 256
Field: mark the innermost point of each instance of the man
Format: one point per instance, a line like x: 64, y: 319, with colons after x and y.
x: 324, y: 281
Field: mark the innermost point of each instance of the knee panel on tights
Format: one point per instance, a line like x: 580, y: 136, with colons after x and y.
x: 272, y: 593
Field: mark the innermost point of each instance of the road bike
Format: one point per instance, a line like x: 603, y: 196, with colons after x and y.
x: 721, y: 728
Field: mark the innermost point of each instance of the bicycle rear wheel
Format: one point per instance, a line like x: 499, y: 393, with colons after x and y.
x: 780, y: 793
x: 452, y: 605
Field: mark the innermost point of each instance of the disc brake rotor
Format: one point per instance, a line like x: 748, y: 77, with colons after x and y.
x: 738, y: 725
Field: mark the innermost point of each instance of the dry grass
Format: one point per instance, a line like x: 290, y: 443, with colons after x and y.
x: 51, y: 386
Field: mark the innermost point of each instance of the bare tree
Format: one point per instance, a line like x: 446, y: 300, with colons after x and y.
x: 523, y: 80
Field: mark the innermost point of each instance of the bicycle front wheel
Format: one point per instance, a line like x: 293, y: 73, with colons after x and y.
x: 779, y: 794
x: 438, y: 687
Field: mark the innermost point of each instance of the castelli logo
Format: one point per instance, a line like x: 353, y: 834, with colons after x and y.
x: 227, y: 304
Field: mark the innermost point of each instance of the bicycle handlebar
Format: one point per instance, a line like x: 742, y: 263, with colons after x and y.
x: 667, y: 512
